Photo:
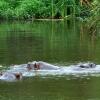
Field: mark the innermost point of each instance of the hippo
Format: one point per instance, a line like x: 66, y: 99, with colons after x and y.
x: 9, y: 76
x: 32, y: 65
x: 86, y: 65
x: 40, y: 65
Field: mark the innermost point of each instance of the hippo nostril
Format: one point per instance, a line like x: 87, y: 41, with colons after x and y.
x: 36, y: 66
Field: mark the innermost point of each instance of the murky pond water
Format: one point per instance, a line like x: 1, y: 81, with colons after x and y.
x: 57, y: 42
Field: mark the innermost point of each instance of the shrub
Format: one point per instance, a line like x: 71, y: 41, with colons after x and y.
x: 29, y: 8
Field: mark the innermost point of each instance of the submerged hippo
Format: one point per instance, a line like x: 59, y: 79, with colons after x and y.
x: 41, y: 66
x: 87, y: 65
x: 9, y: 76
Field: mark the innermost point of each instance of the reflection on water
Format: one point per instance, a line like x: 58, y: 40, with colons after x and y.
x: 60, y: 42
x: 47, y: 41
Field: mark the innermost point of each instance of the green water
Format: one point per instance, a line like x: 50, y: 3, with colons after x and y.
x: 57, y: 42
x: 51, y: 89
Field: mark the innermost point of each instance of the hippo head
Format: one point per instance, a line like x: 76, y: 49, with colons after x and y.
x: 10, y: 76
x: 33, y: 65
x: 87, y: 65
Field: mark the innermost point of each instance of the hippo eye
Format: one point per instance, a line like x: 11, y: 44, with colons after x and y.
x: 1, y: 74
x: 90, y: 65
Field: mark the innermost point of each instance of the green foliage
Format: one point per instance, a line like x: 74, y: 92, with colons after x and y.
x: 6, y: 11
x: 3, y: 8
x: 27, y: 9
x: 93, y: 21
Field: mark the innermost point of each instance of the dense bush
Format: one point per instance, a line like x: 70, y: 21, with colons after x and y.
x: 4, y: 6
x: 27, y: 9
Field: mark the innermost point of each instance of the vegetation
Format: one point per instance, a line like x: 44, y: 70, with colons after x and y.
x: 85, y: 10
x: 27, y: 9
x: 94, y: 20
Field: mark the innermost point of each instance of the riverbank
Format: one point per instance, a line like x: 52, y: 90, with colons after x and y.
x: 41, y: 9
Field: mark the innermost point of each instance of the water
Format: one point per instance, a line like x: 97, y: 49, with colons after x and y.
x: 59, y: 43
x: 51, y: 88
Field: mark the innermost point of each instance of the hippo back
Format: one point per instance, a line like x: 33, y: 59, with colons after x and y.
x: 47, y: 66
x: 8, y: 76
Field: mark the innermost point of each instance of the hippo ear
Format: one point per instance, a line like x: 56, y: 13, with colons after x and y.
x: 18, y: 75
